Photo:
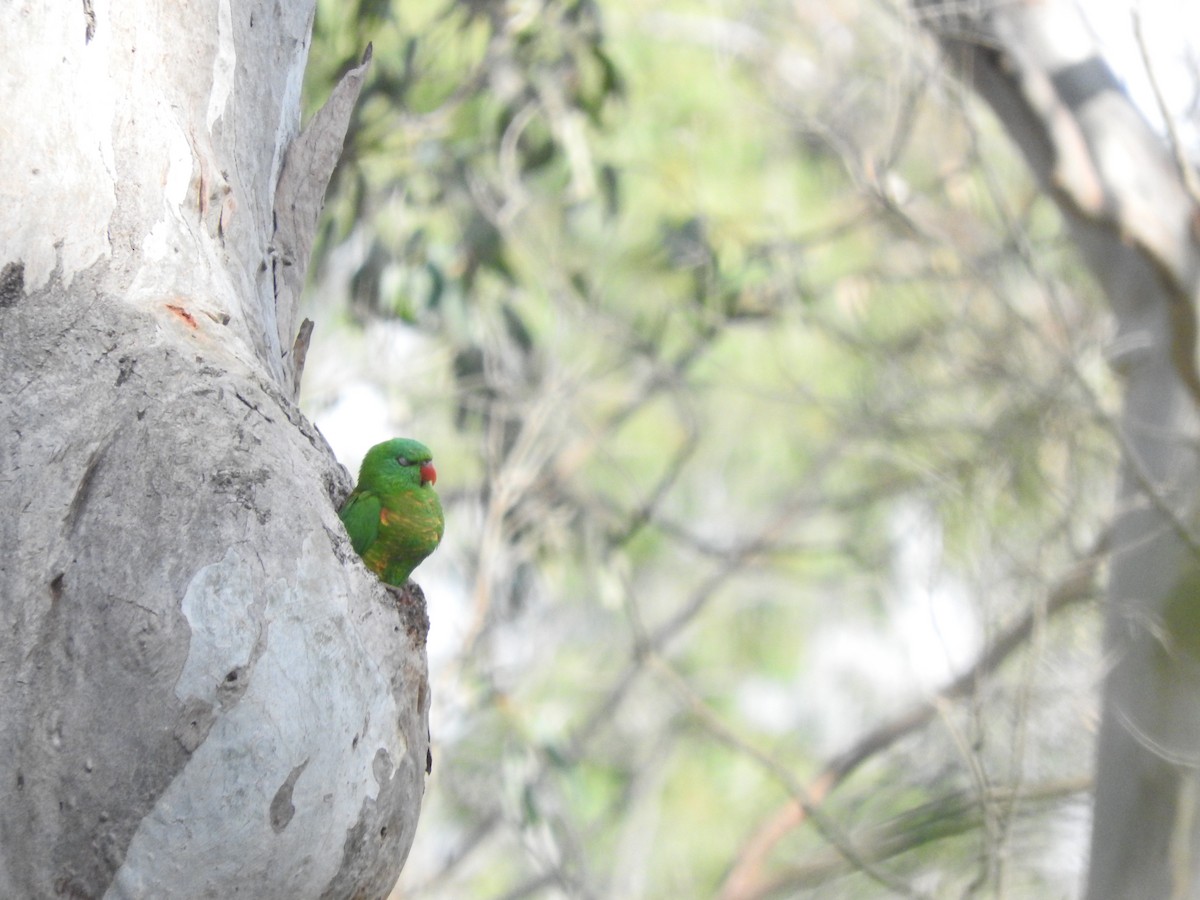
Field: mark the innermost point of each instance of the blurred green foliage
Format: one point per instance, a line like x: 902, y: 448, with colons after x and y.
x: 737, y: 307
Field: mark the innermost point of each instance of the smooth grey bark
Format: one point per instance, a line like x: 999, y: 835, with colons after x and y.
x: 1136, y: 226
x: 203, y: 693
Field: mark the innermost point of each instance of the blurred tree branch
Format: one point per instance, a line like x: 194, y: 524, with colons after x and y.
x: 747, y: 878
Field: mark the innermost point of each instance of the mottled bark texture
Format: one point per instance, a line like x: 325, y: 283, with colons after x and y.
x: 203, y: 693
x: 1128, y: 209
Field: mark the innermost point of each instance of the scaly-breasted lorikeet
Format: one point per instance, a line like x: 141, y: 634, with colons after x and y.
x: 393, y: 516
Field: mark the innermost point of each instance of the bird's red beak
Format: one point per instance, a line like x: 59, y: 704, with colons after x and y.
x: 428, y: 474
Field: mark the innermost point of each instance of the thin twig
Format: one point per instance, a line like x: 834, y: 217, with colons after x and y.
x: 1186, y: 170
x: 801, y: 796
x: 745, y: 879
x: 941, y: 818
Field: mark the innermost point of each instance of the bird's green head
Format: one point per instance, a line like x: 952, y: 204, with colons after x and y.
x: 398, y: 462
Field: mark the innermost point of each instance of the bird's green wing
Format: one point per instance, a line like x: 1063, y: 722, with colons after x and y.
x: 360, y: 515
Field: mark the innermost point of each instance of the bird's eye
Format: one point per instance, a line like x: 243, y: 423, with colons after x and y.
x: 404, y: 460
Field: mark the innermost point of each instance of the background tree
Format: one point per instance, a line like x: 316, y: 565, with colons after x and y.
x: 205, y: 693
x: 1135, y: 221
x: 778, y: 437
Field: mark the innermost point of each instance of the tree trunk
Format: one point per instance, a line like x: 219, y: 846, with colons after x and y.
x: 1130, y: 213
x: 204, y: 693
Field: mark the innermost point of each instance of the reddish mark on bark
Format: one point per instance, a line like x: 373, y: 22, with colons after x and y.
x: 187, y: 317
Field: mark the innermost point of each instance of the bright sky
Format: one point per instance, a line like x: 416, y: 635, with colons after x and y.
x: 1171, y: 30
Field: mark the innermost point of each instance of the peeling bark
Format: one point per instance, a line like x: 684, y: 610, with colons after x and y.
x: 299, y: 198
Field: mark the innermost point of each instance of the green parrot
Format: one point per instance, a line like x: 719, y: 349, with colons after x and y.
x: 393, y: 516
